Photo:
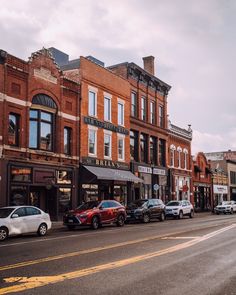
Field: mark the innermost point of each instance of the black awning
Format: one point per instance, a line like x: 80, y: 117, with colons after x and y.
x: 112, y: 174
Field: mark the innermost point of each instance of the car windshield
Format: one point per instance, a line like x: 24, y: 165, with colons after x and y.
x: 173, y: 204
x: 138, y: 203
x: 5, y: 212
x: 88, y: 205
x: 225, y: 203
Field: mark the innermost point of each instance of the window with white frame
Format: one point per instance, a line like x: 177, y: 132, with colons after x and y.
x: 92, y: 142
x: 120, y: 113
x: 172, y: 155
x: 107, y: 108
x: 143, y: 109
x: 152, y: 112
x: 107, y: 145
x: 92, y: 103
x: 121, y: 148
x: 179, y: 150
x: 185, y: 158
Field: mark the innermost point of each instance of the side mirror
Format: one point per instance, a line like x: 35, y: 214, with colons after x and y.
x: 101, y: 207
x: 14, y: 216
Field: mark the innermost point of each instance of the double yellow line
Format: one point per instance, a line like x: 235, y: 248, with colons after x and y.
x: 26, y: 283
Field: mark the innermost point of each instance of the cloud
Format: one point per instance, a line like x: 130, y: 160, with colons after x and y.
x: 194, y: 44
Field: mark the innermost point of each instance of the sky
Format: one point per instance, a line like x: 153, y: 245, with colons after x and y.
x: 194, y: 44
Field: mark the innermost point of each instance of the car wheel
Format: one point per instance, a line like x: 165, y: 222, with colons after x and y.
x: 191, y: 214
x: 95, y: 222
x: 146, y: 218
x: 3, y: 233
x: 42, y: 230
x: 181, y: 214
x: 217, y: 213
x: 162, y: 216
x: 70, y: 227
x: 120, y: 220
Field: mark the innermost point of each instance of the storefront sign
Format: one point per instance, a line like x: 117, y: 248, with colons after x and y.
x: 21, y: 174
x: 220, y: 189
x: 105, y: 163
x: 159, y: 171
x: 105, y: 125
x: 144, y: 169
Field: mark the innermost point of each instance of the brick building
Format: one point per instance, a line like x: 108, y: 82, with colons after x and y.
x: 223, y: 166
x: 148, y: 128
x: 180, y: 163
x: 39, y: 127
x: 104, y: 129
x: 202, y: 183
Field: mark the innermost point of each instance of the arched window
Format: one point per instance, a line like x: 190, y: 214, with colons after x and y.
x: 185, y: 151
x: 179, y: 150
x: 42, y: 122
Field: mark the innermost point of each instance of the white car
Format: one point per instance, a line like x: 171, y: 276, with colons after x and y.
x: 226, y: 207
x: 16, y: 220
x: 179, y: 209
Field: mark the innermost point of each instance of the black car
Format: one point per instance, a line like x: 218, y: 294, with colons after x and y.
x: 145, y: 209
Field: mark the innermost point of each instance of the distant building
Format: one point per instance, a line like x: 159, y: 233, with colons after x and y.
x: 223, y: 165
x: 180, y: 163
x: 202, y: 183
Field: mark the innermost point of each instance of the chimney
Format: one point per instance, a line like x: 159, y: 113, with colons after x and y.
x: 148, y: 64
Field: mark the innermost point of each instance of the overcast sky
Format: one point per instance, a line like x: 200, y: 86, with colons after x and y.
x: 194, y: 44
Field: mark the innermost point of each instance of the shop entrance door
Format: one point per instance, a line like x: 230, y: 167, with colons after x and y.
x: 51, y: 203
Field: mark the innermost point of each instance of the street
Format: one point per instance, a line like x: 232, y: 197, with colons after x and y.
x: 188, y: 256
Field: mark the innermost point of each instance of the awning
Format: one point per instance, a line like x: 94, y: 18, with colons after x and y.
x: 113, y: 174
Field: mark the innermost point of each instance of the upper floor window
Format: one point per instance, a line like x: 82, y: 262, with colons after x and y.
x: 121, y: 148
x: 152, y: 112
x: 161, y: 116
x: 107, y: 108
x: 107, y: 145
x: 120, y: 113
x: 232, y: 177
x: 92, y: 104
x: 143, y: 148
x: 185, y: 159
x: 172, y: 155
x: 143, y: 109
x: 67, y: 140
x: 92, y: 142
x: 153, y: 150
x: 13, y: 129
x: 161, y: 152
x: 41, y: 130
x: 133, y: 145
x: 179, y: 150
x: 134, y: 104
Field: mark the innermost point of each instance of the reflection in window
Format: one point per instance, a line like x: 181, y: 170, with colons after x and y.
x: 67, y: 140
x: 92, y: 104
x: 107, y: 145
x: 143, y: 109
x: 120, y: 113
x: 41, y: 126
x: 121, y: 155
x: 161, y: 152
x: 153, y: 150
x: 133, y: 145
x: 13, y: 130
x: 92, y: 141
x: 152, y: 112
x: 64, y: 199
x: 18, y: 195
x: 107, y: 109
x: 134, y: 104
x: 21, y: 174
x: 161, y: 116
x: 143, y: 147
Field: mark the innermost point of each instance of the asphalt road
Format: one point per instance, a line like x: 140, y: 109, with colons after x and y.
x: 189, y: 256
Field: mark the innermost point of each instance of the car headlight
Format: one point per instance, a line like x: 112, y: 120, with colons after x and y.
x: 83, y: 215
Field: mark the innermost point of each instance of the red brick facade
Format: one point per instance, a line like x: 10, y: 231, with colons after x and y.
x: 20, y: 82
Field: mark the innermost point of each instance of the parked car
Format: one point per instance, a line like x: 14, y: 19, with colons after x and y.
x: 95, y: 214
x: 145, y: 209
x: 179, y: 209
x: 225, y: 207
x: 16, y: 220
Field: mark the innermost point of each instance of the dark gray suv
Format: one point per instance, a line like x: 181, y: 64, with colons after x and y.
x: 145, y: 209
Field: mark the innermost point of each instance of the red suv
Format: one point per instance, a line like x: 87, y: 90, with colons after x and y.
x: 96, y: 213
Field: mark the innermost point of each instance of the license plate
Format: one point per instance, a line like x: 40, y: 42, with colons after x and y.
x: 128, y: 216
x: 70, y: 220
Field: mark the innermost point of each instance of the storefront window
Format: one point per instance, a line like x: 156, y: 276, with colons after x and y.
x: 64, y: 199
x: 64, y: 177
x: 18, y: 196
x: 21, y: 174
x: 120, y: 194
x: 89, y: 192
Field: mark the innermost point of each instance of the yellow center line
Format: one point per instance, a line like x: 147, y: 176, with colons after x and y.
x: 26, y: 283
x: 82, y: 252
